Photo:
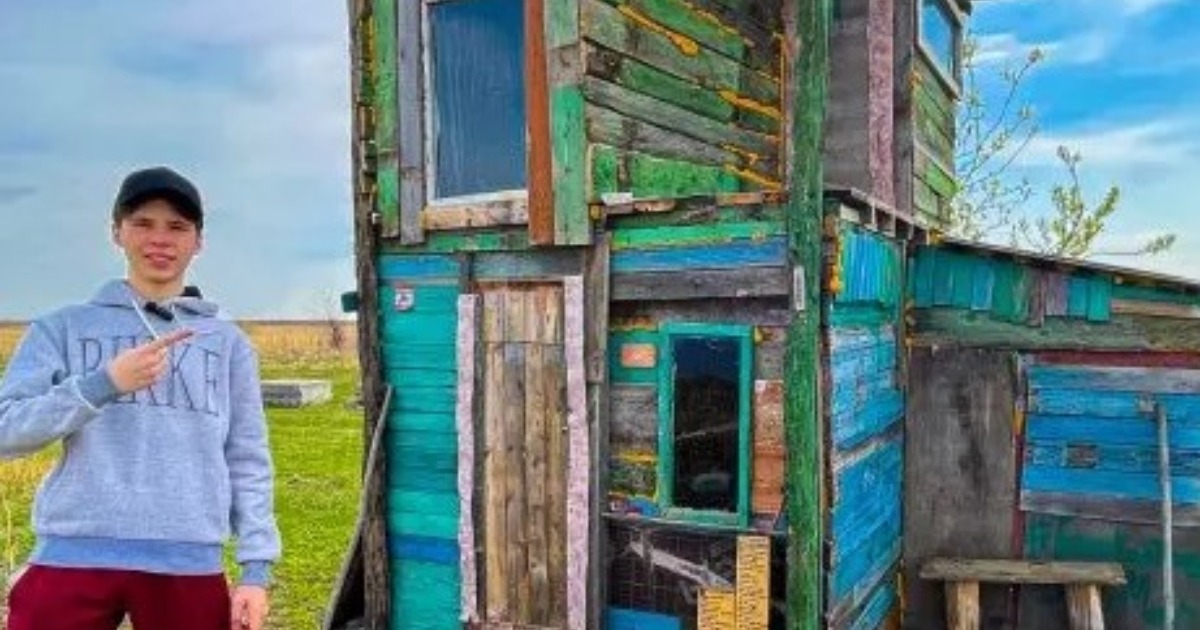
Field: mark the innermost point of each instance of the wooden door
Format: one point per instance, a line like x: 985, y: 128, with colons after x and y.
x: 523, y: 455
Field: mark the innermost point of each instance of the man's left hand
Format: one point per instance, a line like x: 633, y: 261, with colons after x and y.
x: 249, y: 608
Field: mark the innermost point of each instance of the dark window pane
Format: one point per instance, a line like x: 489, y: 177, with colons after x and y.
x: 938, y: 33
x: 479, y: 95
x: 707, y: 372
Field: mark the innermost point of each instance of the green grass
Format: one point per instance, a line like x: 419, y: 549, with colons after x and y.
x: 318, y: 457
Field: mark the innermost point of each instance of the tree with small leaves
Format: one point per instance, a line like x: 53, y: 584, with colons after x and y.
x: 992, y: 200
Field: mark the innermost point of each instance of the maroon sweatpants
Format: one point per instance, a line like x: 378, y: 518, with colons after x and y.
x: 50, y: 598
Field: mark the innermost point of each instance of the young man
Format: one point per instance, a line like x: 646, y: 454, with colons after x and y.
x: 157, y: 404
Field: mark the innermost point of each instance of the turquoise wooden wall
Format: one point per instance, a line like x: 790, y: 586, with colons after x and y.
x: 865, y: 436
x: 418, y: 301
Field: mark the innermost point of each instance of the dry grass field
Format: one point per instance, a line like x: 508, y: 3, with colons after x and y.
x: 317, y: 452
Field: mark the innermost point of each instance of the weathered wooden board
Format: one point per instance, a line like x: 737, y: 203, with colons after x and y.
x: 753, y: 585
x: 769, y: 449
x: 960, y: 481
x: 1023, y: 571
x: 731, y: 283
x: 717, y: 609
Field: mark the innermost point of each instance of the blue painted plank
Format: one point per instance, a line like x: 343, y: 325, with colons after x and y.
x: 1118, y: 485
x: 880, y: 553
x: 853, y: 429
x: 1077, y: 296
x: 1151, y: 380
x: 983, y: 282
x: 876, y: 609
x: 425, y: 549
x: 1109, y: 431
x: 864, y: 363
x: 860, y: 478
x: 1110, y: 404
x: 856, y: 395
x: 407, y: 266
x: 735, y: 255
x: 856, y: 526
x: 1113, y: 457
x: 1099, y: 299
x: 626, y: 619
x: 846, y: 338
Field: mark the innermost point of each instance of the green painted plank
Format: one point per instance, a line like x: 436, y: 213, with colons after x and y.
x: 658, y: 237
x: 419, y: 330
x: 562, y: 23
x: 385, y: 101
x: 620, y: 374
x: 1154, y: 294
x: 939, y: 180
x: 572, y: 223
x: 683, y: 18
x: 606, y: 26
x: 859, y: 316
x: 445, y: 242
x: 401, y: 356
x: 703, y: 215
x: 649, y: 177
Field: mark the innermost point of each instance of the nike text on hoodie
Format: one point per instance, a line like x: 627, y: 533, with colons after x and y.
x: 156, y: 480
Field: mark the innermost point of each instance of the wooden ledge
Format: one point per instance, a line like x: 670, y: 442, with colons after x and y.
x: 1023, y: 571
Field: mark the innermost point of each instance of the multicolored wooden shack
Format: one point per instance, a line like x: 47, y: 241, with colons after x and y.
x: 1037, y: 388
x: 631, y: 289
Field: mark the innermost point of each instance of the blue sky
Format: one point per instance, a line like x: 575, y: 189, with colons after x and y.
x: 1121, y: 83
x: 251, y: 100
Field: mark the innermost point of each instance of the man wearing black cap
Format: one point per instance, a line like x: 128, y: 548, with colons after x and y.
x: 156, y: 401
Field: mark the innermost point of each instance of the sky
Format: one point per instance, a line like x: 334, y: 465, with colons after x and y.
x: 1120, y: 84
x: 250, y: 99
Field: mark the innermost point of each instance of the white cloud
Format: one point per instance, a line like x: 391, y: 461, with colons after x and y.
x: 1161, y: 143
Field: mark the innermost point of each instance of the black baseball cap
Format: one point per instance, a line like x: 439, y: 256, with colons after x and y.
x: 159, y: 182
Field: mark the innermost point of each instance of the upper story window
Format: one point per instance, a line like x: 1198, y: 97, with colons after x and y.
x: 941, y: 37
x: 476, y: 137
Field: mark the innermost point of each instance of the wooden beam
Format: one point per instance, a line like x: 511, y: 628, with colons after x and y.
x: 537, y: 98
x: 1005, y: 571
x: 410, y: 89
x: 599, y: 405
x: 807, y: 71
x: 513, y: 211
x: 385, y: 107
x: 701, y: 284
x: 579, y: 458
x: 468, y: 310
x: 568, y: 140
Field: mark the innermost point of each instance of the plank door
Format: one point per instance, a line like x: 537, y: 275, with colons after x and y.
x: 523, y: 455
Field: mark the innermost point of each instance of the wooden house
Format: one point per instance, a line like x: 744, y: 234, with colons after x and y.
x: 631, y: 288
x: 1038, y: 388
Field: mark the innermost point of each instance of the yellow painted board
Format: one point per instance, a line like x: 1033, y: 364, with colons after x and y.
x: 717, y: 610
x: 753, y: 582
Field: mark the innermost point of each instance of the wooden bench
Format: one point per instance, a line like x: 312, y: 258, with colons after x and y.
x: 1082, y: 581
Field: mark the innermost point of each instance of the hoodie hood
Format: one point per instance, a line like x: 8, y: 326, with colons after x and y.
x: 118, y: 293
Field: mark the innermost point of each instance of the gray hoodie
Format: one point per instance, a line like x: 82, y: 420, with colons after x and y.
x: 155, y: 480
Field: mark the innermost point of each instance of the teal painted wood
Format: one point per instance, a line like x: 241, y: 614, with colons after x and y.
x: 408, y: 476
x: 858, y: 315
x: 869, y: 268
x: 1138, y: 605
x: 423, y: 502
x: 429, y: 422
x: 1077, y: 296
x: 422, y: 458
x: 410, y: 356
x: 419, y: 330
x: 923, y: 274
x: 425, y: 549
x: 1099, y: 299
x: 626, y: 619
x: 943, y: 287
x: 771, y: 252
x: 535, y: 265
x: 425, y: 595
x: 418, y: 268
x: 983, y: 283
x: 423, y: 524
x: 1154, y: 294
x: 426, y: 400
x: 877, y: 608
x: 418, y: 377
x: 619, y: 374
x: 666, y: 408
x: 425, y: 298
x: 442, y: 442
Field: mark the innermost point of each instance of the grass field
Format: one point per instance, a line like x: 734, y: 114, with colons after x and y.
x: 317, y: 452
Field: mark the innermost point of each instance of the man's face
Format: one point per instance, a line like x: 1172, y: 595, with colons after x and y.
x: 159, y: 243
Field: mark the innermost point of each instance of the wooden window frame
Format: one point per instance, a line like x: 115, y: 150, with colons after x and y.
x: 505, y: 207
x: 951, y: 78
x: 744, y: 336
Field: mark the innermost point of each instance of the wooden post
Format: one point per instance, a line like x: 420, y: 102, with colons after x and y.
x: 1083, y: 607
x: 596, y: 293
x: 962, y: 605
x: 537, y: 98
x: 1164, y: 473
x: 807, y: 37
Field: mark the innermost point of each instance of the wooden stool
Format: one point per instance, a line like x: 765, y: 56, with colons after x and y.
x: 1082, y: 581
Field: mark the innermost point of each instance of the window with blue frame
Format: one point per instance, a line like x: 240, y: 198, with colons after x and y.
x: 704, y: 422
x: 476, y: 93
x: 941, y: 36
